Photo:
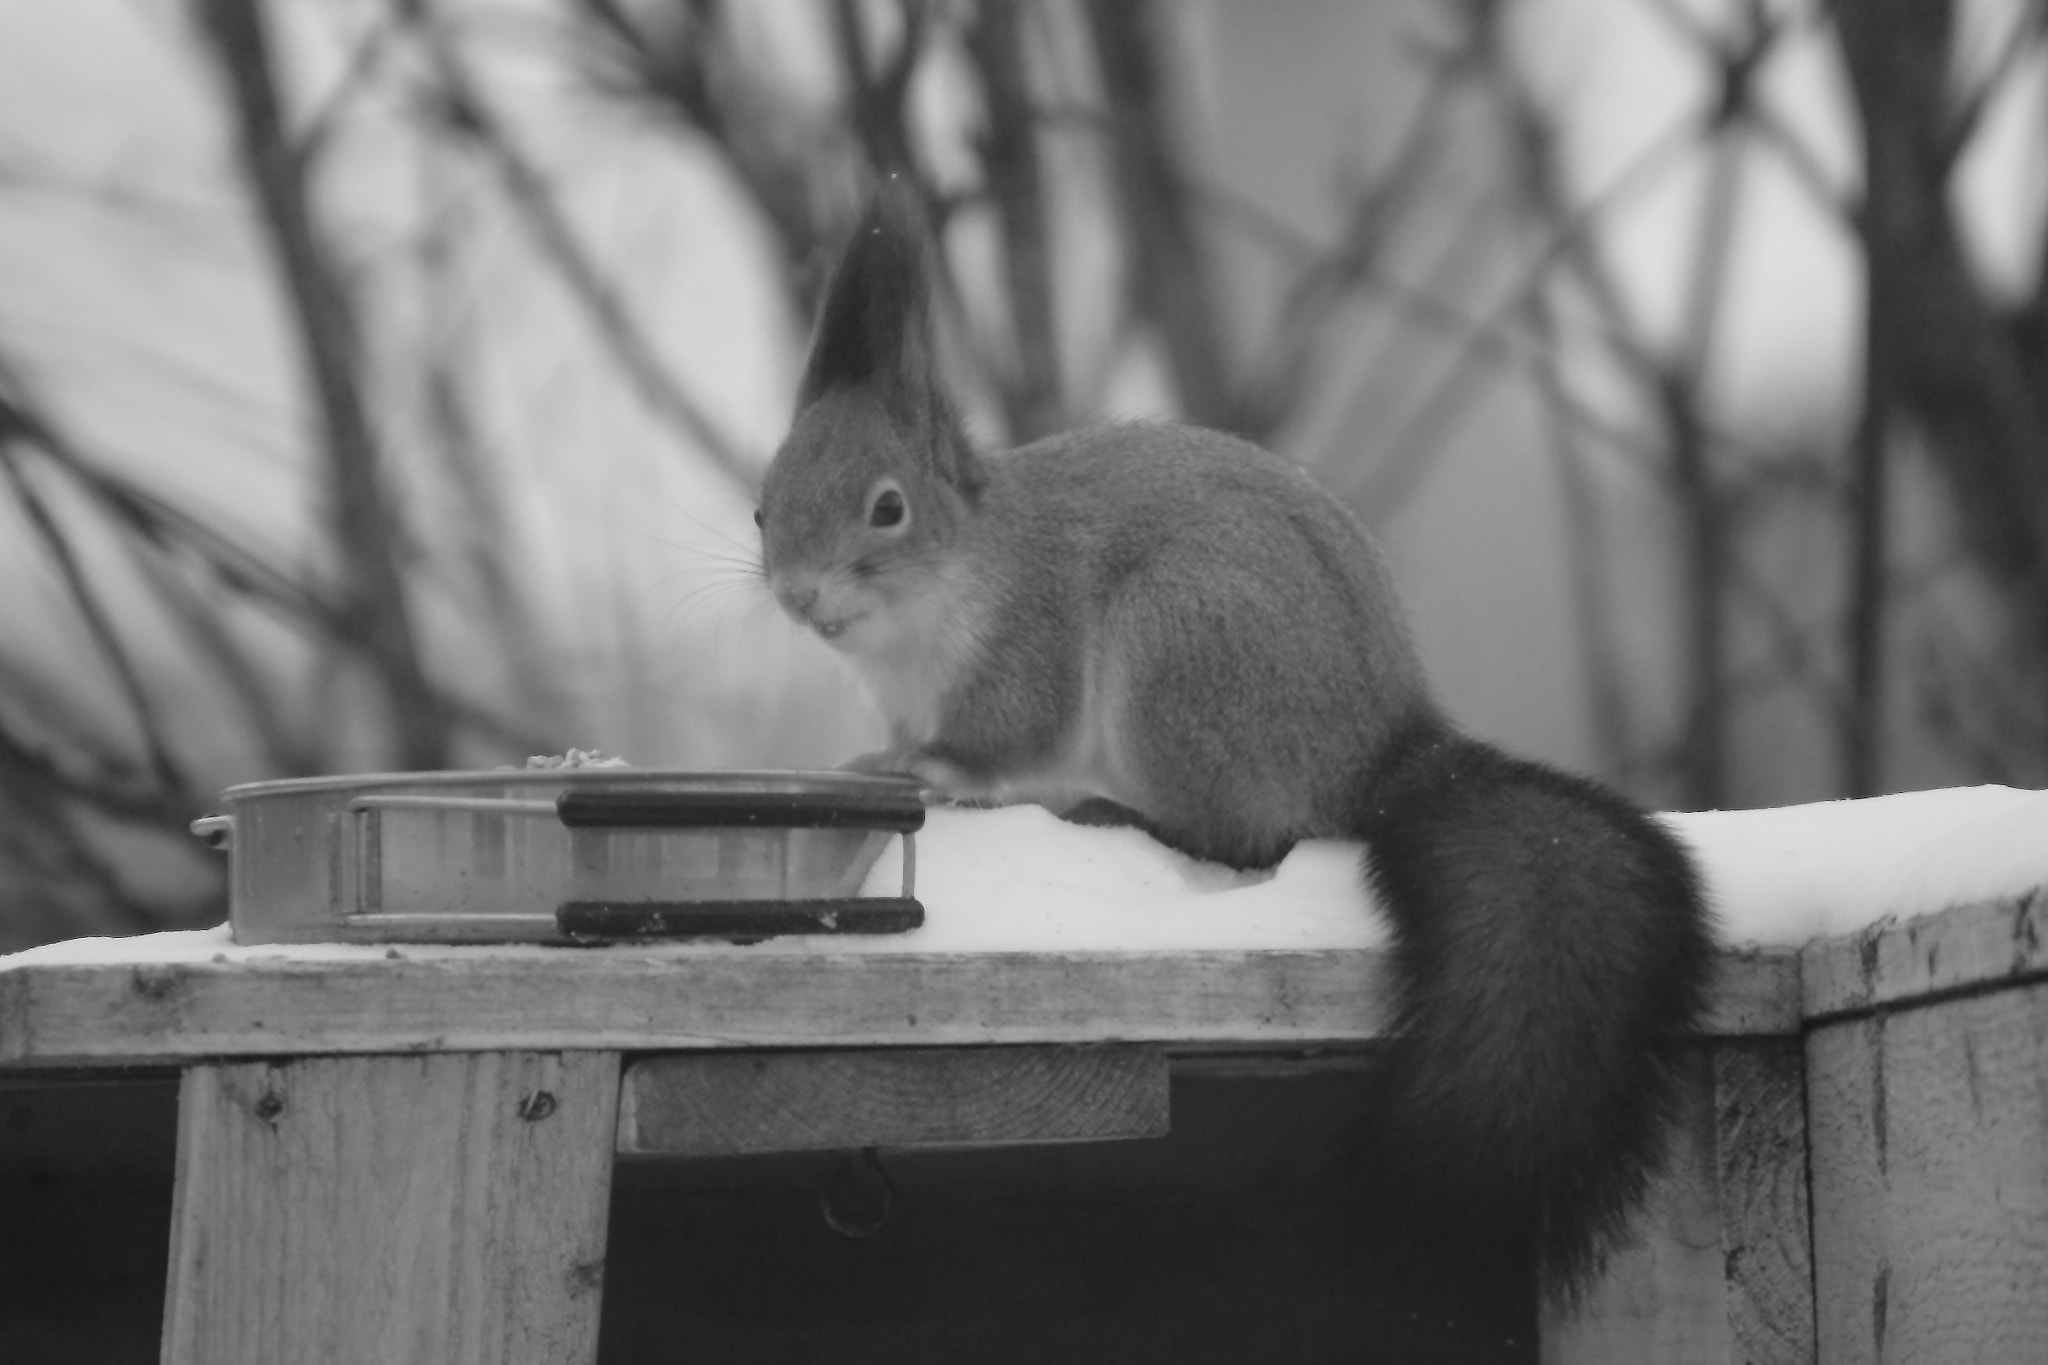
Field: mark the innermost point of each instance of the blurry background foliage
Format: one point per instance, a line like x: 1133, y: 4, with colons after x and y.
x: 382, y: 382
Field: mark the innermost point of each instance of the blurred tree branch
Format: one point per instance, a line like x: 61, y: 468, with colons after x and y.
x: 368, y: 539
x: 1033, y: 401
x: 1167, y: 266
x: 480, y: 530
x: 681, y: 59
x: 1938, y: 357
x: 466, y: 112
x: 15, y: 425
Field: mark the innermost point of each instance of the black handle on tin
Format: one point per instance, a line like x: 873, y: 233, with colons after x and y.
x: 590, y: 921
x: 599, y: 807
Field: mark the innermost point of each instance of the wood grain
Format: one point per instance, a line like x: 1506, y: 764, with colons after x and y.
x: 1720, y: 1269
x: 726, y: 1104
x: 364, y: 1210
x: 1761, y: 1155
x: 482, y: 999
x: 1971, y: 947
x: 1930, y: 1182
x: 1661, y: 1298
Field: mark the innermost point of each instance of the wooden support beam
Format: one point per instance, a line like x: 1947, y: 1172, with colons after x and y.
x: 267, y: 1002
x: 731, y: 1103
x: 1722, y: 1266
x: 1970, y: 949
x: 1930, y: 1179
x: 1761, y: 1156
x: 378, y: 1209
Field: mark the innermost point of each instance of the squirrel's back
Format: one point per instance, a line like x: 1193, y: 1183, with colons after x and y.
x: 1169, y: 548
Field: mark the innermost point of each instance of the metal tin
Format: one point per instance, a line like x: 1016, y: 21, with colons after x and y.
x: 561, y: 855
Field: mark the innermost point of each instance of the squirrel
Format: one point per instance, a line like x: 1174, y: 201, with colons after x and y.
x: 1184, y: 625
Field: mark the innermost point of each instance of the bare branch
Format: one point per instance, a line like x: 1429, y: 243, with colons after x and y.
x: 1169, y: 270
x: 690, y: 68
x: 879, y: 91
x: 479, y: 533
x: 91, y: 609
x: 366, y: 527
x: 1014, y: 175
x: 469, y: 115
x: 239, y: 568
x: 1288, y: 365
x: 74, y: 759
x: 1937, y: 356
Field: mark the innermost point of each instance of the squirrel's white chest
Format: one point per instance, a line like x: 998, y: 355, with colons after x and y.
x: 911, y: 656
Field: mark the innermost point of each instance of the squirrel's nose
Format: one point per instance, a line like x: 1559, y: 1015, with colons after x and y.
x: 797, y: 598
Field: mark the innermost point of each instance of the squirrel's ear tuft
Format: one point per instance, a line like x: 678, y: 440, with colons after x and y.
x: 875, y: 335
x: 873, y: 330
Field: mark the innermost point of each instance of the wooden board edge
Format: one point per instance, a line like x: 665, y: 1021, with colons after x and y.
x: 733, y: 1104
x: 1762, y: 1155
x: 124, y: 1013
x: 1980, y: 946
x: 1755, y: 994
x: 16, y: 1045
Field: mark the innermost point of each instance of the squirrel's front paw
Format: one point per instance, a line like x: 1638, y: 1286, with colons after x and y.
x: 940, y: 778
x: 881, y: 763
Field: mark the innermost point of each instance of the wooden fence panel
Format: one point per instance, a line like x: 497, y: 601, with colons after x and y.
x: 386, y: 1210
x: 1721, y: 1269
x: 1930, y: 1182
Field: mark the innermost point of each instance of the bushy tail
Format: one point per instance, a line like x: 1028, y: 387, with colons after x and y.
x: 1553, y: 951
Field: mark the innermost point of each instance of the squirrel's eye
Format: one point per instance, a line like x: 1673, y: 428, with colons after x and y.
x: 887, y: 509
x: 758, y: 523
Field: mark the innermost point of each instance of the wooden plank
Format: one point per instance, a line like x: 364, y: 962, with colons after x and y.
x: 1755, y: 994
x: 1766, y: 1224
x: 1971, y: 947
x: 1661, y: 1297
x: 726, y: 1104
x: 378, y: 1209
x: 1720, y: 1268
x: 431, y: 999
x: 1930, y: 1182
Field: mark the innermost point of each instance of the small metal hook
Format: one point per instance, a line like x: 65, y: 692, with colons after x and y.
x: 857, y: 1200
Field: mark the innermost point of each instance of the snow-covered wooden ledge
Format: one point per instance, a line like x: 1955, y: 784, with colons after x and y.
x: 168, y: 1002
x: 1036, y: 932
x: 1861, y: 1174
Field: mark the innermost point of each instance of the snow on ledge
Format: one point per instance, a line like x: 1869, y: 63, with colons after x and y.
x: 1795, y: 873
x: 1018, y: 880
